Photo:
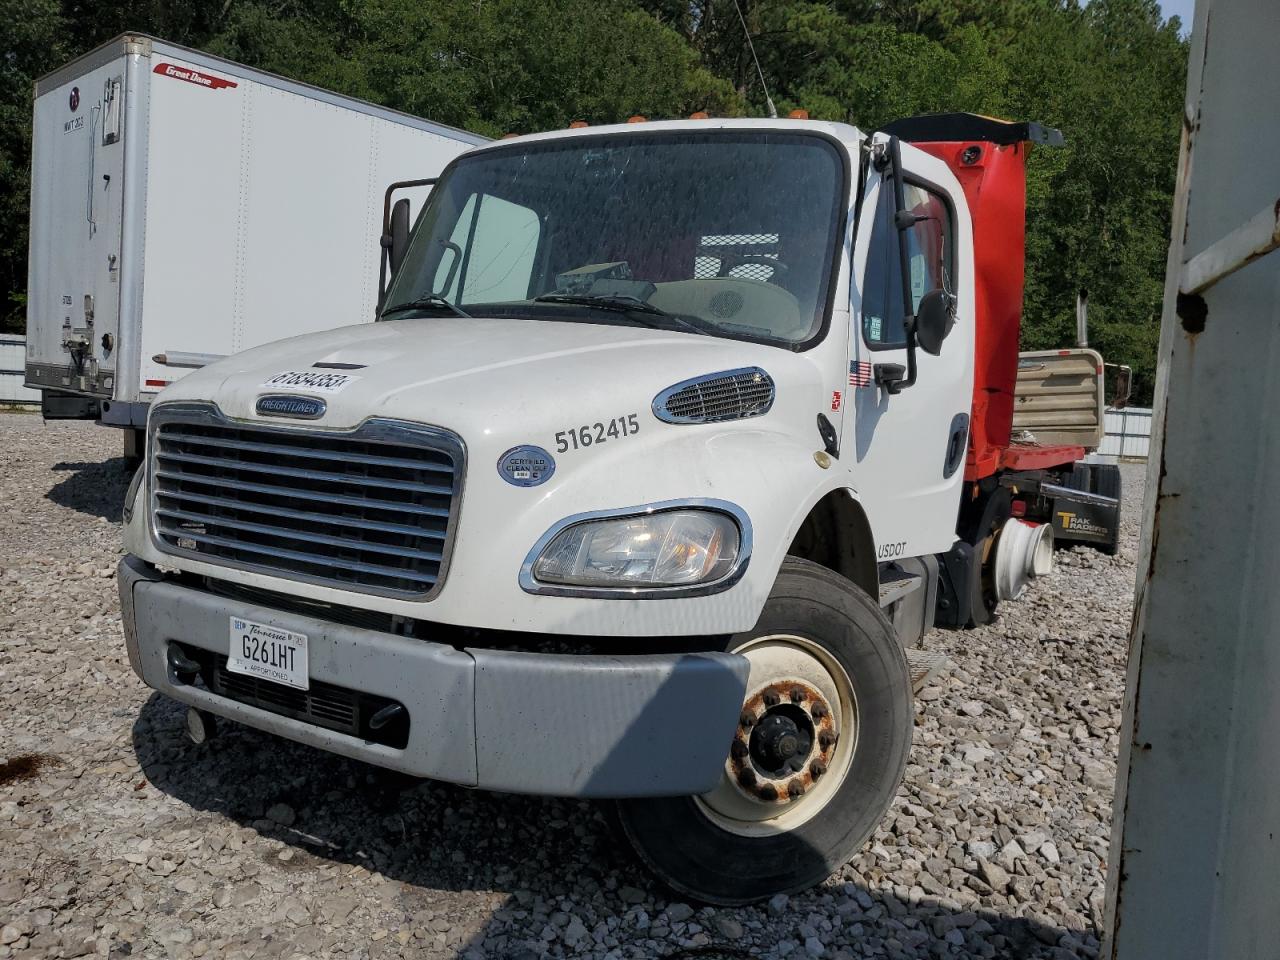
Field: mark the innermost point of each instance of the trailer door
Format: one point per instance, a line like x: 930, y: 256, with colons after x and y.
x: 76, y: 211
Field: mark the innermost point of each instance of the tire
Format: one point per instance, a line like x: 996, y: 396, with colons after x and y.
x: 1106, y: 481
x: 729, y: 846
x: 1079, y: 477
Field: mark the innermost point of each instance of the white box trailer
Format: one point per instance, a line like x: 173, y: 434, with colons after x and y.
x: 185, y: 207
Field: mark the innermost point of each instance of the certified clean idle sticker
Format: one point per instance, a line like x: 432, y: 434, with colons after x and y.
x: 526, y: 466
x: 311, y: 380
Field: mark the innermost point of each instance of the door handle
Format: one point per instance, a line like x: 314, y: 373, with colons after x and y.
x: 888, y: 374
x: 956, y: 444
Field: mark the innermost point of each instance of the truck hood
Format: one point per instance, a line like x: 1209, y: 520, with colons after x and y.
x: 466, y: 374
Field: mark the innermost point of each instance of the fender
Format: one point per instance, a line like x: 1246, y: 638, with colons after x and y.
x: 835, y: 532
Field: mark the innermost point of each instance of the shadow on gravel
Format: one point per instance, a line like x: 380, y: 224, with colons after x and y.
x: 539, y: 851
x: 96, y: 488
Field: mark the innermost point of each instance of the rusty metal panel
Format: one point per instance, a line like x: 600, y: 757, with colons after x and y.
x: 1195, y: 860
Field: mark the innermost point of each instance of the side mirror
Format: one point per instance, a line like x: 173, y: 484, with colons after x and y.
x: 398, y: 233
x: 1121, y: 380
x: 395, y: 232
x: 934, y: 321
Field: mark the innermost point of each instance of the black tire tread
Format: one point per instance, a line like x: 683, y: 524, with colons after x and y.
x: 668, y: 835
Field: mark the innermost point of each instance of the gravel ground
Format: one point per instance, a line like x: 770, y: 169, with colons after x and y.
x: 117, y: 838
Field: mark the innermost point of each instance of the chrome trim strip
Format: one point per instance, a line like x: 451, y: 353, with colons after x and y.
x: 431, y: 556
x: 659, y: 405
x: 273, y: 471
x: 307, y: 494
x: 316, y: 454
x: 1083, y: 496
x: 274, y: 551
x: 388, y: 431
x: 250, y: 507
x: 531, y: 585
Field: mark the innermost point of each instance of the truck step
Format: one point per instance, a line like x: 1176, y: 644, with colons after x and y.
x: 925, y: 665
x: 897, y: 585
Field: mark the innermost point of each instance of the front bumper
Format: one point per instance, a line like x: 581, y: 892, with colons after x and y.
x: 566, y: 725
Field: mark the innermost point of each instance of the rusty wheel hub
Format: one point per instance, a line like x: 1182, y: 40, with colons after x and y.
x: 794, y: 742
x: 783, y: 743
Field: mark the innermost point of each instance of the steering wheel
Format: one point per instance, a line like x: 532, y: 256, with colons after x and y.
x: 730, y: 260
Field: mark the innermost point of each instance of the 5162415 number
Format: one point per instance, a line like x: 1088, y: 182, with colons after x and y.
x: 589, y: 434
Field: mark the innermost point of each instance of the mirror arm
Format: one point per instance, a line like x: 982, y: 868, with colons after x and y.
x: 904, y: 221
x: 385, y: 240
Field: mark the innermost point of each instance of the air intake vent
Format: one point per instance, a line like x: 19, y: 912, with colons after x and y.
x: 731, y: 395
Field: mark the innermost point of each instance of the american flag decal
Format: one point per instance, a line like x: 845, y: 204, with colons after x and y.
x: 859, y: 373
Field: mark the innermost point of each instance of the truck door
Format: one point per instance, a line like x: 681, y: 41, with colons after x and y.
x: 908, y: 448
x: 77, y: 207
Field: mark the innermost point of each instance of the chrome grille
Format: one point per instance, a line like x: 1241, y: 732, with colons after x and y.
x: 731, y: 395
x: 372, y: 510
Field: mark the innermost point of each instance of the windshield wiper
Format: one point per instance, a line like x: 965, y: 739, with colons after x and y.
x: 622, y: 303
x: 430, y: 300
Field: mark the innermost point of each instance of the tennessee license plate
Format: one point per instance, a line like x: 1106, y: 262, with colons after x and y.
x: 267, y: 652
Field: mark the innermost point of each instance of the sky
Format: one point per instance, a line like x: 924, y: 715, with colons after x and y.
x: 1184, y: 9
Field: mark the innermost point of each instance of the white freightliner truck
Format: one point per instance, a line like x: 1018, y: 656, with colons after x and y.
x: 185, y: 207
x: 673, y: 441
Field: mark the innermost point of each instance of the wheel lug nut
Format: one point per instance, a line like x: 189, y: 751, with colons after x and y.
x: 738, y: 750
x: 747, y: 777
x: 819, y: 711
x: 771, y: 699
x: 817, y: 768
x: 797, y: 695
x: 768, y: 792
x: 825, y: 739
x: 795, y: 789
x: 746, y: 720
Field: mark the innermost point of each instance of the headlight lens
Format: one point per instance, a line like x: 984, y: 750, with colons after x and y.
x: 670, y: 549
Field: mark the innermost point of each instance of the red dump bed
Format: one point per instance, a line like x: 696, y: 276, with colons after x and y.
x: 988, y: 157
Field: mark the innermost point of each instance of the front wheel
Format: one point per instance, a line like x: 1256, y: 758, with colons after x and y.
x: 816, y: 759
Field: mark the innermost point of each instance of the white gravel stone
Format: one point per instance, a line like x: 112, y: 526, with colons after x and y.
x: 256, y: 847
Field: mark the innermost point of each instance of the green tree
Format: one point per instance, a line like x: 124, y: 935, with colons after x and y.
x: 1110, y: 74
x: 493, y: 67
x: 33, y: 39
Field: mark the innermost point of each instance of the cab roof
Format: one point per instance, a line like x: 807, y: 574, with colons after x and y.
x: 847, y: 134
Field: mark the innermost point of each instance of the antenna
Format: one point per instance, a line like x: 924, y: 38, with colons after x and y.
x: 773, y: 112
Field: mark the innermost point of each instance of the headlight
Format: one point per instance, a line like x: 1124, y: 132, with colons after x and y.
x: 668, y: 548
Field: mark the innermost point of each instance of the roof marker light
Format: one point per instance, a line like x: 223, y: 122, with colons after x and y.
x: 799, y: 115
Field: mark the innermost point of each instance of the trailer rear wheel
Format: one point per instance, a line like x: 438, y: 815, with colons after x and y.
x: 815, y: 762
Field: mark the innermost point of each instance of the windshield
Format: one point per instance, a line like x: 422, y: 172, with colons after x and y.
x: 730, y: 234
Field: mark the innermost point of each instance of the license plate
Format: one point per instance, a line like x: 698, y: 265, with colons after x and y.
x: 268, y: 652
